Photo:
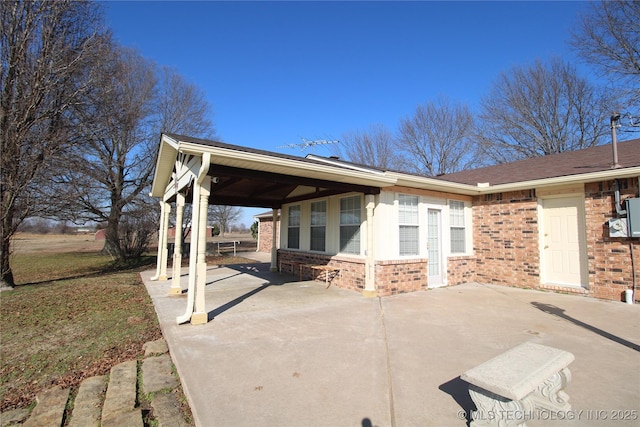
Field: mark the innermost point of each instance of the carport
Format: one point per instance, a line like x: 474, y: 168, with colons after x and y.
x: 203, y: 172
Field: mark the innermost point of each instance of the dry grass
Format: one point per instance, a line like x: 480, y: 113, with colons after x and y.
x: 74, y: 314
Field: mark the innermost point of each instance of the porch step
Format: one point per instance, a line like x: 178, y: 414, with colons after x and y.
x: 49, y: 409
x: 110, y: 401
x: 119, y: 407
x: 86, y: 407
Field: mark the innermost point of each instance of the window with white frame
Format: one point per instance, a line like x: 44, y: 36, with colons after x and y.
x: 457, y: 229
x: 293, y: 229
x: 350, y: 211
x: 318, y: 226
x: 409, y: 224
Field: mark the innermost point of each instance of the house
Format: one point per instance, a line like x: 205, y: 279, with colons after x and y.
x: 539, y: 223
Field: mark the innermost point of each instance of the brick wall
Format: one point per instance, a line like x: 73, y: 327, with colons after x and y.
x: 506, y: 243
x: 400, y: 276
x: 505, y: 239
x: 265, y: 231
x: 461, y: 269
x: 610, y: 263
x: 352, y: 272
x: 392, y: 277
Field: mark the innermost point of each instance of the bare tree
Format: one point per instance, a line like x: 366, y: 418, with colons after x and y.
x: 181, y: 107
x: 224, y: 216
x: 106, y: 176
x: 608, y: 37
x: 540, y: 110
x: 47, y: 50
x: 437, y: 139
x: 373, y: 147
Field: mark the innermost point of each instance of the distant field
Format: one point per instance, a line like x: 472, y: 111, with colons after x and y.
x: 26, y: 243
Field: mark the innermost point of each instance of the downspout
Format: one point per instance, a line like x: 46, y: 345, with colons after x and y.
x: 621, y: 213
x: 614, y: 142
x: 193, y: 250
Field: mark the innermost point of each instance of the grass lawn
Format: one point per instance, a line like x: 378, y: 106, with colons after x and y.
x: 73, y: 315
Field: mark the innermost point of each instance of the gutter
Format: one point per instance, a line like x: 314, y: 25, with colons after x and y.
x: 486, y: 188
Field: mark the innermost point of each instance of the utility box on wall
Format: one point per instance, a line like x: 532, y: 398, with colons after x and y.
x: 618, y: 227
x: 633, y: 216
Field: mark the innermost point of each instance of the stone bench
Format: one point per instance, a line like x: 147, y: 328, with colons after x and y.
x: 509, y: 388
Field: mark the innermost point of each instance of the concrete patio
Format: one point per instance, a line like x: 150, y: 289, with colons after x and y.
x: 278, y: 352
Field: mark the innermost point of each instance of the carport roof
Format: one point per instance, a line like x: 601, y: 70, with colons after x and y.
x: 258, y: 178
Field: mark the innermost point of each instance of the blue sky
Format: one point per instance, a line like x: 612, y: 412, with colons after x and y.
x: 277, y: 72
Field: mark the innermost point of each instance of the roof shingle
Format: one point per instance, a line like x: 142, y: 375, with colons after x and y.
x: 594, y: 159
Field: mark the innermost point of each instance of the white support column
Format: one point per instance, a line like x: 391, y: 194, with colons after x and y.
x: 163, y: 231
x: 193, y: 252
x: 200, y: 316
x: 369, y: 263
x: 201, y: 178
x: 274, y: 246
x: 176, y: 289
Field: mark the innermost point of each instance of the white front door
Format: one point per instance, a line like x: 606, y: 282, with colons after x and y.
x: 434, y: 247
x: 564, y: 253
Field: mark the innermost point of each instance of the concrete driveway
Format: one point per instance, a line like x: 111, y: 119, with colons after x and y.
x: 278, y: 352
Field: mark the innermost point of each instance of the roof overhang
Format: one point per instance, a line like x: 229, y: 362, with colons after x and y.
x: 606, y: 175
x: 247, y: 177
x: 441, y: 185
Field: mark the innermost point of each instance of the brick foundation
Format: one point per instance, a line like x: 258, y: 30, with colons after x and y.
x: 400, y: 276
x: 351, y: 275
x: 392, y: 277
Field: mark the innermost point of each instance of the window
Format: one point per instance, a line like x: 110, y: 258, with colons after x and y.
x: 350, y: 225
x: 318, y: 225
x: 408, y: 220
x: 457, y: 226
x: 293, y: 221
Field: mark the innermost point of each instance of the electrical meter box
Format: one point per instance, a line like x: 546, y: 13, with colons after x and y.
x: 618, y: 227
x: 633, y: 216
